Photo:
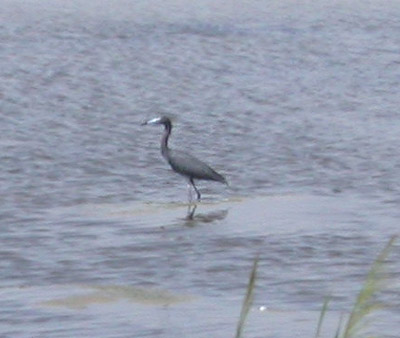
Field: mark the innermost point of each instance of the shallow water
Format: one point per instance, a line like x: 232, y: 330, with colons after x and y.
x: 295, y: 102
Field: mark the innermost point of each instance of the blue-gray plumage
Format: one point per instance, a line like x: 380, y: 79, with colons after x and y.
x: 182, y: 162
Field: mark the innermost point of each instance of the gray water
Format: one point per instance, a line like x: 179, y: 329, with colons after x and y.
x: 296, y: 102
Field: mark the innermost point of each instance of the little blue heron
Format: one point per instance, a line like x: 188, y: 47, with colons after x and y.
x: 182, y: 162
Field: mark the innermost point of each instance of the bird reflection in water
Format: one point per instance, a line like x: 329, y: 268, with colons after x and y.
x: 192, y: 219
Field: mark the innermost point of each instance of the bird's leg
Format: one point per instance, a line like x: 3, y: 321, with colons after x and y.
x: 189, y: 193
x: 191, y: 211
x: 195, y: 189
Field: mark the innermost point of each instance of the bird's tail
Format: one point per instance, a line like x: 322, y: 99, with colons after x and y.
x: 222, y: 179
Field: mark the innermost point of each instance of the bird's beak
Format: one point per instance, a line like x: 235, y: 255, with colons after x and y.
x: 152, y: 121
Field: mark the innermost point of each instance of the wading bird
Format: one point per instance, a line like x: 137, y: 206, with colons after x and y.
x: 184, y: 163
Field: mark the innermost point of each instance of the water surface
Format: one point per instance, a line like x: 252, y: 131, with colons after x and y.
x: 295, y: 102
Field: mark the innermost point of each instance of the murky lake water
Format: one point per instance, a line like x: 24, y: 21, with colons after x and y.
x: 297, y: 103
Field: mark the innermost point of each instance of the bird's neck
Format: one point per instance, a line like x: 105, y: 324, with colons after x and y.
x: 164, y: 140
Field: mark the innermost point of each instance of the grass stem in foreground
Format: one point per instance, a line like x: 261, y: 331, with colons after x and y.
x: 364, y: 304
x: 248, y: 300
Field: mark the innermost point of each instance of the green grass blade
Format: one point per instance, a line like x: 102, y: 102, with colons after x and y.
x: 322, y: 316
x: 364, y: 304
x: 248, y: 300
x: 339, y: 328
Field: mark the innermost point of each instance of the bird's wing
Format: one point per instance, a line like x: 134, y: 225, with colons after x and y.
x: 188, y: 165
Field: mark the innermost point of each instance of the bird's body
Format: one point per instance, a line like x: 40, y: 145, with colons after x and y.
x: 189, y: 166
x: 184, y: 163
